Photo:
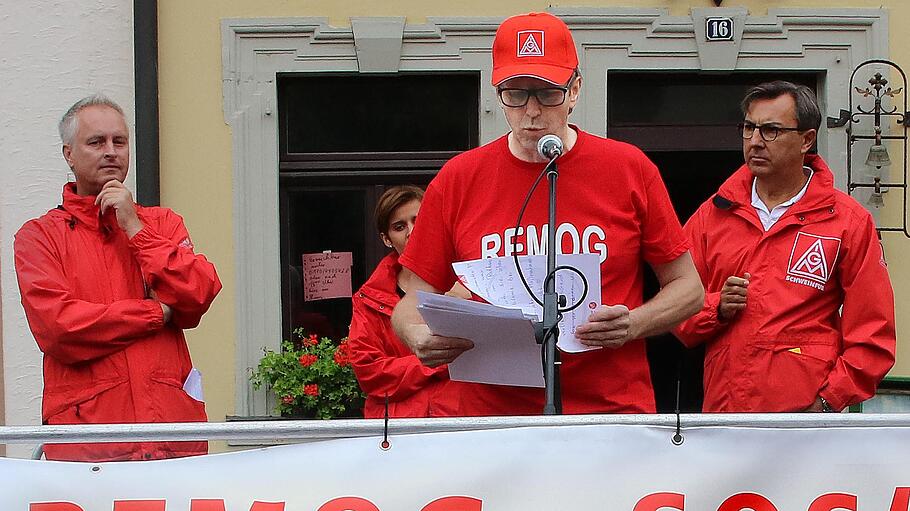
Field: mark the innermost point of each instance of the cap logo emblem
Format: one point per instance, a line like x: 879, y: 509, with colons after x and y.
x: 530, y: 43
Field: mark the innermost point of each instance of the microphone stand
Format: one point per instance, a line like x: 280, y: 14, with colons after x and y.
x: 547, y: 331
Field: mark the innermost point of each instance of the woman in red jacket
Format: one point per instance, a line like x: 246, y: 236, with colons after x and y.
x: 384, y: 366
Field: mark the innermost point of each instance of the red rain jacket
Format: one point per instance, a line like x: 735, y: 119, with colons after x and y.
x: 385, y: 365
x: 792, y: 342
x: 107, y: 356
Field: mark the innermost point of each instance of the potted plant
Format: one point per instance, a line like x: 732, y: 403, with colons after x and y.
x: 311, y: 377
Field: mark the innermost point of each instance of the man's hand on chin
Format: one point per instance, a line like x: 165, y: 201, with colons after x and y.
x: 114, y: 195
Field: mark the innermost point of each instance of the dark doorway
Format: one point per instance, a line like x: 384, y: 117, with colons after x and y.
x: 691, y: 177
x: 686, y: 123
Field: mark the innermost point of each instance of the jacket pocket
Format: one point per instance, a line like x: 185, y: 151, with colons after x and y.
x: 170, y: 403
x: 789, y: 375
x: 106, y: 401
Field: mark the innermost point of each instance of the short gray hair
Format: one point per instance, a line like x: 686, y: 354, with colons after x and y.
x: 70, y: 121
x: 808, y: 116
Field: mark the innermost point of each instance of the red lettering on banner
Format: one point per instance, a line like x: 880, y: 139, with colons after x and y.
x: 218, y: 505
x: 348, y: 504
x: 454, y: 503
x: 139, y: 505
x: 832, y: 501
x: 658, y: 501
x: 267, y: 506
x: 901, y: 500
x: 653, y: 502
x: 742, y: 501
x: 54, y: 506
x: 207, y: 505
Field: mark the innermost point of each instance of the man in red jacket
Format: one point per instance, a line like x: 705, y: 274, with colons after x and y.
x: 799, y: 311
x: 108, y: 287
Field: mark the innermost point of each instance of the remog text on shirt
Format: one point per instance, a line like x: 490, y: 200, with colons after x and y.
x: 592, y: 240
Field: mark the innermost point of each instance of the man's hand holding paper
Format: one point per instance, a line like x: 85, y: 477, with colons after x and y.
x: 507, y: 353
x: 435, y: 350
x: 496, y: 280
x: 609, y: 326
x: 504, y: 352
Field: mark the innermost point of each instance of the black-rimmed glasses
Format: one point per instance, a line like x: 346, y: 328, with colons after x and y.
x: 546, y: 96
x: 768, y: 132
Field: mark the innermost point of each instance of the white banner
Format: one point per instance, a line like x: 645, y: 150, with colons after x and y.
x: 621, y: 468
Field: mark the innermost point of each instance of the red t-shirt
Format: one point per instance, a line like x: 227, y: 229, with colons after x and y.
x: 611, y: 201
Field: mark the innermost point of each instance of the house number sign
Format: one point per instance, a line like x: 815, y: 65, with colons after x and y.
x: 719, y: 29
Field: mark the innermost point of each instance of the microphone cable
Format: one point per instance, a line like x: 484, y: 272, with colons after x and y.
x: 550, y: 275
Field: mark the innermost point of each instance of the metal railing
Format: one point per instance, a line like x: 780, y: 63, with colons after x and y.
x: 292, y: 430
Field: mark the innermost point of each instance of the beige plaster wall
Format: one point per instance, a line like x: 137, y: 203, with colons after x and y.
x: 196, y: 164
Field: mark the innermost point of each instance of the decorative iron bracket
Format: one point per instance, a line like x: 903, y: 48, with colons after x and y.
x: 871, y: 123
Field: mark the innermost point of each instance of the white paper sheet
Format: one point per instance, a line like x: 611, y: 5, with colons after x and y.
x: 496, y: 281
x: 193, y: 385
x: 505, y: 351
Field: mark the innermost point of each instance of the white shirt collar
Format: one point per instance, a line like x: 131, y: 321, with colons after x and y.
x: 769, y: 218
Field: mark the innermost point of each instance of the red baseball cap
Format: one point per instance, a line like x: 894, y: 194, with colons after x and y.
x: 536, y: 44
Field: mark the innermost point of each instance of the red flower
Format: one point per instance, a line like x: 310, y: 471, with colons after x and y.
x: 312, y: 340
x: 288, y: 400
x: 308, y: 359
x: 311, y: 389
x: 342, y: 354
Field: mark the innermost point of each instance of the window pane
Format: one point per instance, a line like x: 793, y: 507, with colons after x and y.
x: 689, y: 99
x: 385, y: 113
x: 320, y: 220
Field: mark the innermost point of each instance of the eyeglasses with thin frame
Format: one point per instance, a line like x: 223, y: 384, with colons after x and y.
x: 768, y: 132
x: 546, y: 96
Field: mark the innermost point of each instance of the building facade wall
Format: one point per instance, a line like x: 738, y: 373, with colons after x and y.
x: 191, y: 71
x: 2, y: 392
x: 67, y: 55
x: 54, y: 53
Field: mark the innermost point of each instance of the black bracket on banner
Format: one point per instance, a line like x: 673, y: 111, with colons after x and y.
x: 385, y: 445
x: 678, y: 439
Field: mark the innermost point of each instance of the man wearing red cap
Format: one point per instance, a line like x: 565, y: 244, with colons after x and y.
x: 612, y: 202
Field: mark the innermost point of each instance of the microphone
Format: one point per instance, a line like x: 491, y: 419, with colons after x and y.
x: 549, y: 147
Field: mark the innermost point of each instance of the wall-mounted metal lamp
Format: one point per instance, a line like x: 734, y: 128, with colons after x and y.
x: 857, y: 120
